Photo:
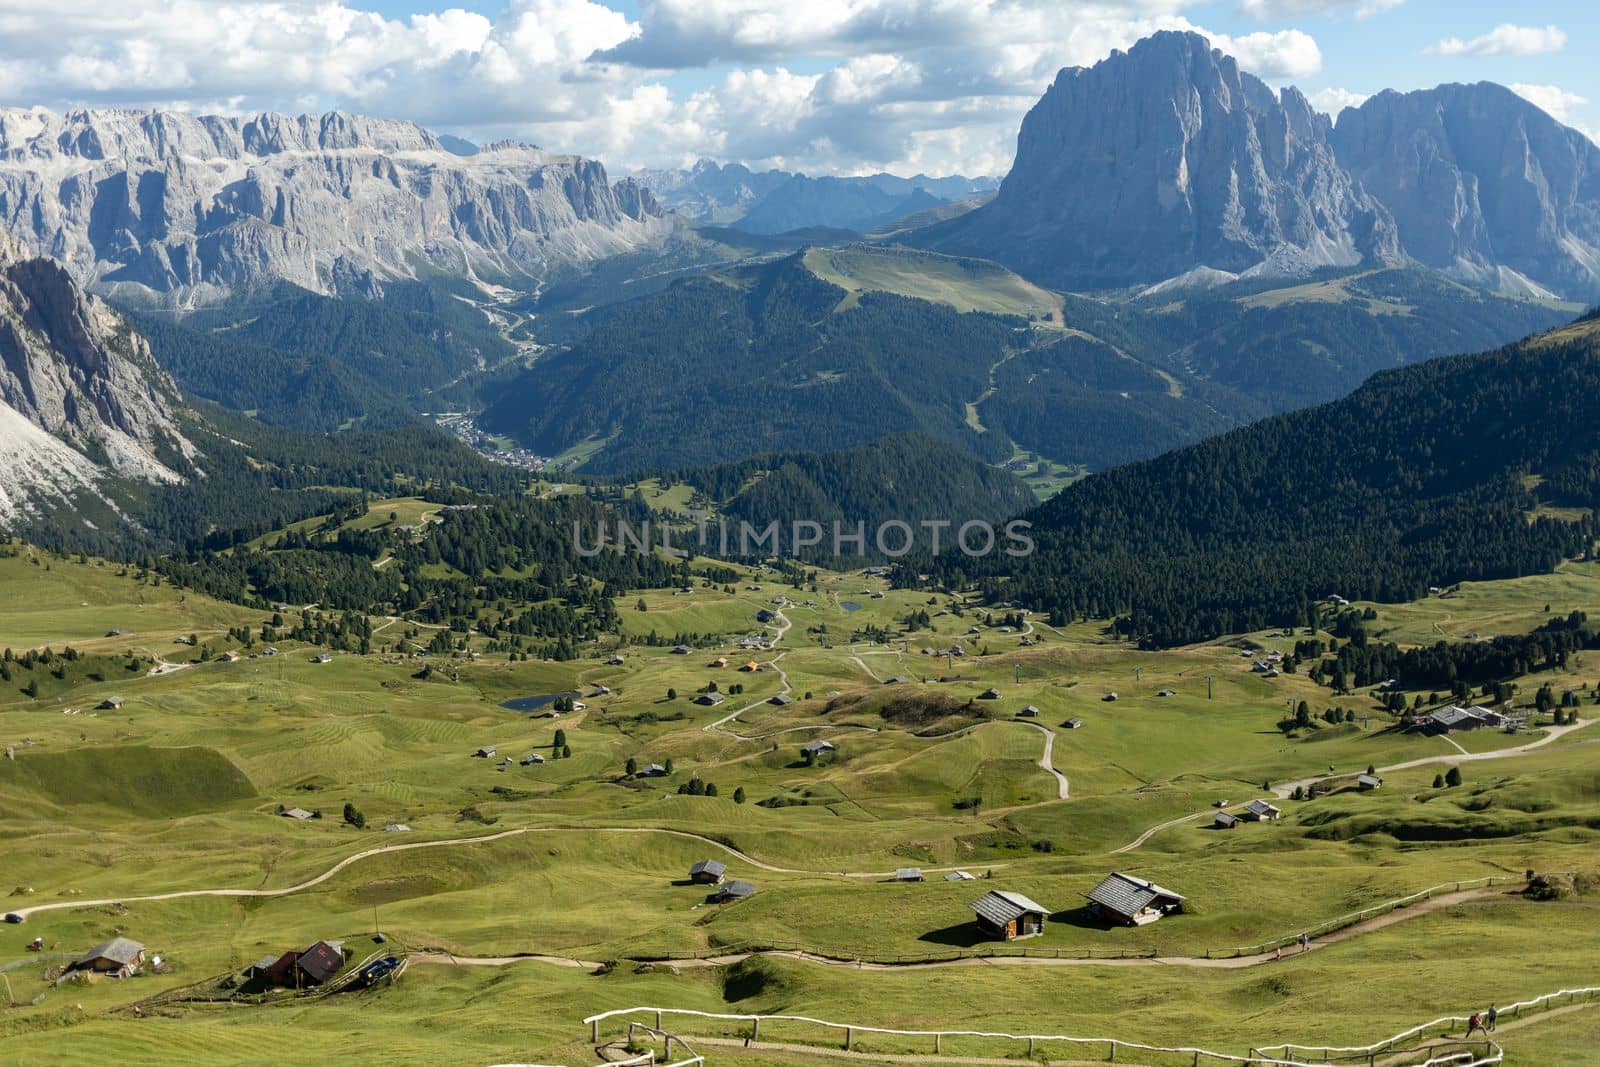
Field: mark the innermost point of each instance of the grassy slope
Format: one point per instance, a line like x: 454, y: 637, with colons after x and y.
x: 964, y: 284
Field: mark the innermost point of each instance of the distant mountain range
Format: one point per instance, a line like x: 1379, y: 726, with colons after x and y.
x: 1167, y: 158
x: 144, y: 204
x: 776, y: 201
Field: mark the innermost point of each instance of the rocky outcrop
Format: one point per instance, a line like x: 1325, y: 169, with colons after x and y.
x: 1166, y: 158
x: 1483, y: 184
x: 81, y: 399
x: 200, y: 205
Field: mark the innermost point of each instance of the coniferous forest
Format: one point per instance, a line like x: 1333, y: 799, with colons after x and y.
x: 1425, y: 476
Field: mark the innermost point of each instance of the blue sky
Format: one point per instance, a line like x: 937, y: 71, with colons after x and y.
x: 839, y: 86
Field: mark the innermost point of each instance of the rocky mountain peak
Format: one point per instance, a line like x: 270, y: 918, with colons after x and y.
x: 1483, y: 184
x: 1168, y: 157
x: 81, y: 399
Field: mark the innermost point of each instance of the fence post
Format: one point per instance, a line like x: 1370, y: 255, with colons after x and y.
x: 1030, y: 1048
x: 658, y: 1019
x: 594, y: 1031
x: 755, y: 1029
x: 849, y: 1033
x: 937, y: 1041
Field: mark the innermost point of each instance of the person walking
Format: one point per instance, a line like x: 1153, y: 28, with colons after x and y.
x: 1305, y: 943
x: 1474, y: 1022
x: 1491, y: 1020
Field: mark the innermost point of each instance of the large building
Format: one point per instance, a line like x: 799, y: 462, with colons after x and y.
x: 1455, y: 717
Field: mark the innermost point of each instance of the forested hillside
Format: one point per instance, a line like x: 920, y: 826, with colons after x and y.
x: 295, y: 358
x: 1427, y: 475
x: 773, y: 359
x: 778, y: 358
x: 908, y: 477
x: 505, y: 569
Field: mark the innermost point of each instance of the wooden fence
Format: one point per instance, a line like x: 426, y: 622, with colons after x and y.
x: 1411, y: 1048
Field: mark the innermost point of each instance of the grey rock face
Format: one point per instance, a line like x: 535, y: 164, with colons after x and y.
x: 1165, y: 158
x: 200, y: 205
x: 1480, y: 181
x: 80, y: 395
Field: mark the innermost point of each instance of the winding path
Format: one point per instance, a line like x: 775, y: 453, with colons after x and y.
x: 1154, y: 830
x: 309, y: 883
x: 1047, y: 762
x: 1552, y: 733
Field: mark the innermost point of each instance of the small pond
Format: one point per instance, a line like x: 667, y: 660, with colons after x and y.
x: 536, y: 703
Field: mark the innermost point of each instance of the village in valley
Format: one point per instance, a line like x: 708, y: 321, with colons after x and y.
x: 775, y: 794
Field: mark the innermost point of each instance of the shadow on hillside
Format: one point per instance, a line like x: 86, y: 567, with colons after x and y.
x: 1082, y: 918
x: 962, y: 935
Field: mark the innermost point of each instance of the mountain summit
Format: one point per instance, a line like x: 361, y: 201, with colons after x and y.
x: 1164, y: 158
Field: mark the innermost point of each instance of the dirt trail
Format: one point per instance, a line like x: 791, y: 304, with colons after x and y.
x: 1552, y: 733
x: 1154, y: 830
x: 317, y: 880
x: 1047, y: 762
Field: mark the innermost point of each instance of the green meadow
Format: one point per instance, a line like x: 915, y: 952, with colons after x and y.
x: 178, y: 790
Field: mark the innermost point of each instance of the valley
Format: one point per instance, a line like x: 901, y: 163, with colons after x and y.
x: 1103, y: 566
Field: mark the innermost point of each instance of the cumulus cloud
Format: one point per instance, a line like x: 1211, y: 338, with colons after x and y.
x: 1505, y: 40
x: 1285, y: 54
x: 827, y: 85
x: 1333, y: 101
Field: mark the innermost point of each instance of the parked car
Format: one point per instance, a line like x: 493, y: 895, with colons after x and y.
x: 378, y: 969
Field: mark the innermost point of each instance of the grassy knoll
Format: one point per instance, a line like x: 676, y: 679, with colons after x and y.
x: 964, y: 284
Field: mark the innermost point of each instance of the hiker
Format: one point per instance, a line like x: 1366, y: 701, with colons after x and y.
x: 1474, y: 1023
x: 1277, y: 953
x: 1305, y: 943
x: 1490, y: 1020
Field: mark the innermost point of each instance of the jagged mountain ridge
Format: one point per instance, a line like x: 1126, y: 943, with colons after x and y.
x: 1482, y: 184
x: 138, y: 202
x: 81, y: 399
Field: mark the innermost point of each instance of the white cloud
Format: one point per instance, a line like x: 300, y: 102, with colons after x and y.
x: 1505, y: 40
x: 1552, y: 99
x: 1333, y: 101
x: 1285, y: 54
x: 825, y: 85
x: 1277, y: 10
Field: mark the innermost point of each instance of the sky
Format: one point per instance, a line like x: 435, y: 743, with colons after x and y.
x: 823, y: 86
